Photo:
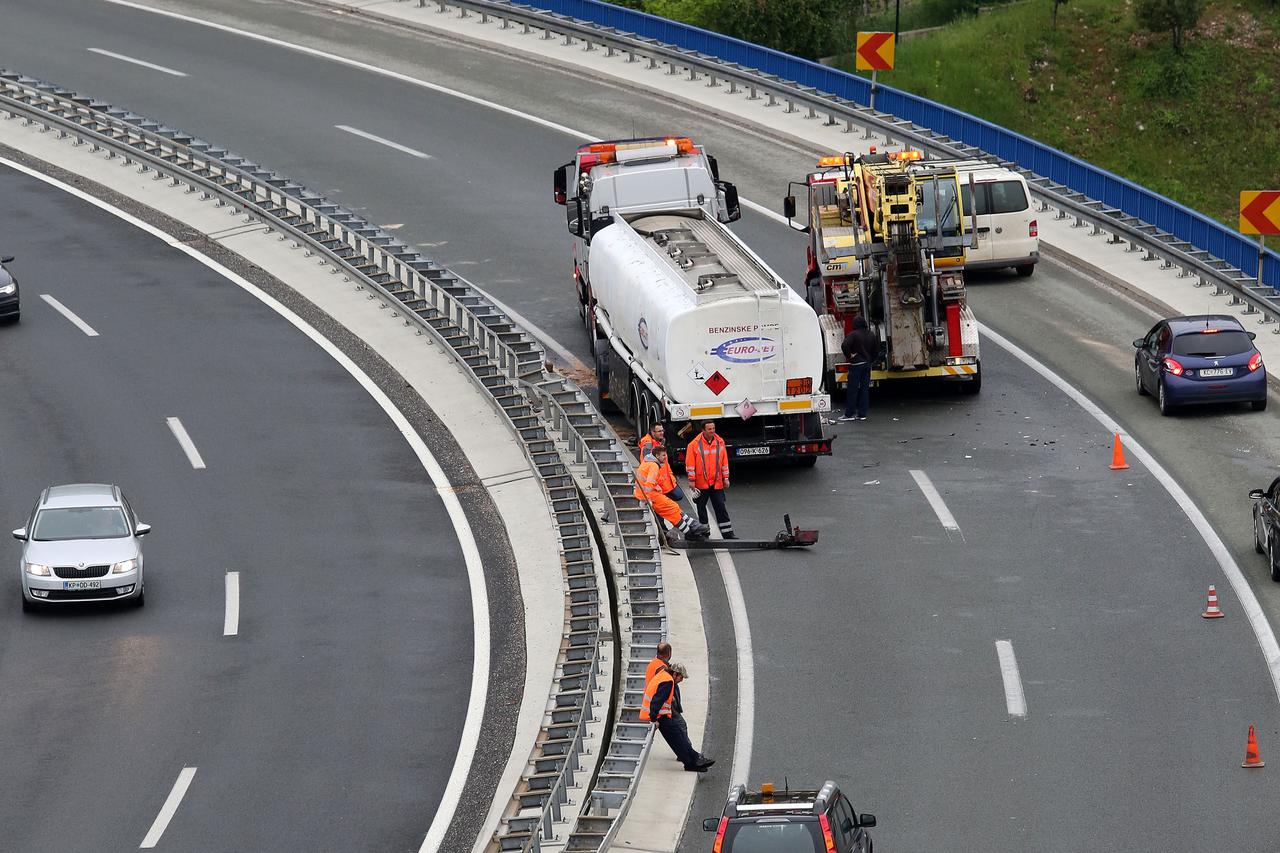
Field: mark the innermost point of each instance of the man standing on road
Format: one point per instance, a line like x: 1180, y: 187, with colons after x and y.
x: 648, y: 490
x: 706, y: 462
x: 859, y: 347
x: 660, y: 706
x: 656, y: 437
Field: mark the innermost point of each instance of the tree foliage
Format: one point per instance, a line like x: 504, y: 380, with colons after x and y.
x: 1169, y: 16
x: 809, y: 28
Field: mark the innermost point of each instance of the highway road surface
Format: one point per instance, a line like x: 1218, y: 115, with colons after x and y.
x: 997, y: 644
x: 291, y: 683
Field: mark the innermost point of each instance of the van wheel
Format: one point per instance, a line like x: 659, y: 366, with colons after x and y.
x: 1025, y: 270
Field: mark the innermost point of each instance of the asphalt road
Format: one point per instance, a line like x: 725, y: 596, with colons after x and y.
x: 875, y: 656
x: 306, y: 491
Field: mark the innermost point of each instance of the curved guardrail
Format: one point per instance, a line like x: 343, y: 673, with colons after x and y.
x: 501, y: 359
x: 1149, y: 222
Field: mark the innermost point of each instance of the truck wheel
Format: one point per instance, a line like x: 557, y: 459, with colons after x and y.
x: 974, y: 385
x: 804, y: 461
x: 639, y: 407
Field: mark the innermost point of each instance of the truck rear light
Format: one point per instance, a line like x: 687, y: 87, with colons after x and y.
x: 827, y: 838
x: 1034, y: 230
x: 796, y: 387
x: 724, y: 824
x: 1255, y: 361
x: 1173, y: 366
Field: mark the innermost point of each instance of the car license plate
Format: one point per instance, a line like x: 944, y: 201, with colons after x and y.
x: 82, y: 584
x: 1217, y: 371
x: 753, y: 451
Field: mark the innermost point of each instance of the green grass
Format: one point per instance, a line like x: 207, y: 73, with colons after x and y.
x: 1197, y: 127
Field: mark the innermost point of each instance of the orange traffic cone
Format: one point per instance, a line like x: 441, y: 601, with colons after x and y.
x: 1251, y: 757
x: 1117, y: 455
x: 1211, y: 610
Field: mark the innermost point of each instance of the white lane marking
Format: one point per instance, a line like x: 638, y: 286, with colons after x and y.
x: 470, y: 738
x: 1239, y: 583
x: 744, y: 742
x: 184, y: 440
x: 1014, y: 699
x: 231, y: 620
x: 935, y: 500
x: 70, y: 315
x: 353, y: 63
x: 404, y: 149
x: 123, y: 58
x: 170, y: 806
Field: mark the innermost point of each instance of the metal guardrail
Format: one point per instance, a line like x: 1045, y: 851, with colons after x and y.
x: 501, y: 359
x: 1197, y: 245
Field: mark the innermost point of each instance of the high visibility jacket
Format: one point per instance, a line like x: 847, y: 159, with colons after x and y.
x: 647, y: 487
x: 652, y: 669
x: 707, y: 463
x: 666, y: 477
x: 651, y: 690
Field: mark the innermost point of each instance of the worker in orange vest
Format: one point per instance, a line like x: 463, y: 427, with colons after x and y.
x: 649, y: 491
x: 706, y: 462
x: 662, y: 657
x: 661, y: 705
x: 657, y: 435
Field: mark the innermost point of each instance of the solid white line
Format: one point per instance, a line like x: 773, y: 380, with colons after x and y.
x: 744, y: 742
x: 470, y: 738
x: 1248, y: 601
x: 355, y: 131
x: 170, y: 806
x: 231, y: 621
x: 123, y: 58
x: 70, y: 315
x: 935, y: 500
x: 1014, y: 699
x: 184, y: 440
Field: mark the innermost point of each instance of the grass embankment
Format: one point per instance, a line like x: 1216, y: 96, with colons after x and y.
x: 1198, y: 126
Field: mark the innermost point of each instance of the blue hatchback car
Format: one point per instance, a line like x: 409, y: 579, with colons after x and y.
x: 1208, y: 358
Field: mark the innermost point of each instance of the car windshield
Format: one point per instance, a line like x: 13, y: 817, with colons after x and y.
x: 784, y: 835
x: 1212, y: 344
x: 82, y: 522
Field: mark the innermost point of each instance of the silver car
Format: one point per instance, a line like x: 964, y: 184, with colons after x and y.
x: 82, y: 544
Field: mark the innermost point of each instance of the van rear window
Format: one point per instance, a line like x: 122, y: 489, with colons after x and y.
x: 1008, y: 197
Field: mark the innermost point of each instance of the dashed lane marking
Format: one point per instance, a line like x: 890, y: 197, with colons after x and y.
x: 120, y: 56
x: 1014, y: 699
x: 170, y: 806
x: 70, y: 315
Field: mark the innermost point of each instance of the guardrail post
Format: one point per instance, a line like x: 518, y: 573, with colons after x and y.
x: 753, y: 96
x: 693, y: 75
x: 772, y: 100
x: 547, y: 35
x: 712, y: 82
x: 653, y: 63
x: 671, y: 69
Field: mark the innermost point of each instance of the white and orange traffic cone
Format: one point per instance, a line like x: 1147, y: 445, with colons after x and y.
x: 1211, y: 610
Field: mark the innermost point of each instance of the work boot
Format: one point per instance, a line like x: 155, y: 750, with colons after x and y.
x: 698, y: 532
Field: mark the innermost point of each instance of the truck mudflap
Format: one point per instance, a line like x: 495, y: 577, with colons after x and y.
x: 788, y: 537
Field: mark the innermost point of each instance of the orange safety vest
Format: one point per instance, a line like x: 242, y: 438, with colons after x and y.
x: 652, y: 669
x: 707, y: 464
x: 666, y: 477
x: 647, y: 481
x: 652, y: 688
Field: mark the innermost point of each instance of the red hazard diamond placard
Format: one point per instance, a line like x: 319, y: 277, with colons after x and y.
x: 717, y: 383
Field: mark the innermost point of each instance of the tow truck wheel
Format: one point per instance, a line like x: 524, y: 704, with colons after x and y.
x: 974, y: 385
x: 804, y: 461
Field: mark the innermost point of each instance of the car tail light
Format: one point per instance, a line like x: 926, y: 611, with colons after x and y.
x: 1255, y: 361
x: 1173, y: 366
x: 724, y: 824
x: 827, y: 837
x: 1034, y: 230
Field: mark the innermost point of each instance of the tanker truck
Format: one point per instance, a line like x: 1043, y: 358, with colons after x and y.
x: 686, y: 323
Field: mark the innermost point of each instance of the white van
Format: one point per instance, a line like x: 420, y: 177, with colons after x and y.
x: 1008, y: 235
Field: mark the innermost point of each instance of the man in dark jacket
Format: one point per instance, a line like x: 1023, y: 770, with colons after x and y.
x: 662, y: 708
x: 860, y: 348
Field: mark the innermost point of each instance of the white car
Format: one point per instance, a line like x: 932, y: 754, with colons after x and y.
x: 82, y: 543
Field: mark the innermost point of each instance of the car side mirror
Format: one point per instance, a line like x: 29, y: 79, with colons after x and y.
x: 7, y: 259
x: 560, y: 183
x: 1256, y: 494
x: 710, y: 824
x: 866, y: 820
x: 729, y: 196
x: 20, y: 534
x: 1137, y: 344
x: 142, y: 530
x: 846, y: 825
x: 789, y: 207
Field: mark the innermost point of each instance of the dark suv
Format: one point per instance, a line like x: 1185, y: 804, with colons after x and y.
x: 10, y: 309
x: 767, y: 821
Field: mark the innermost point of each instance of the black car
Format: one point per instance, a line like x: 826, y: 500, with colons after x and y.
x: 1266, y: 525
x: 10, y: 308
x: 790, y: 822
